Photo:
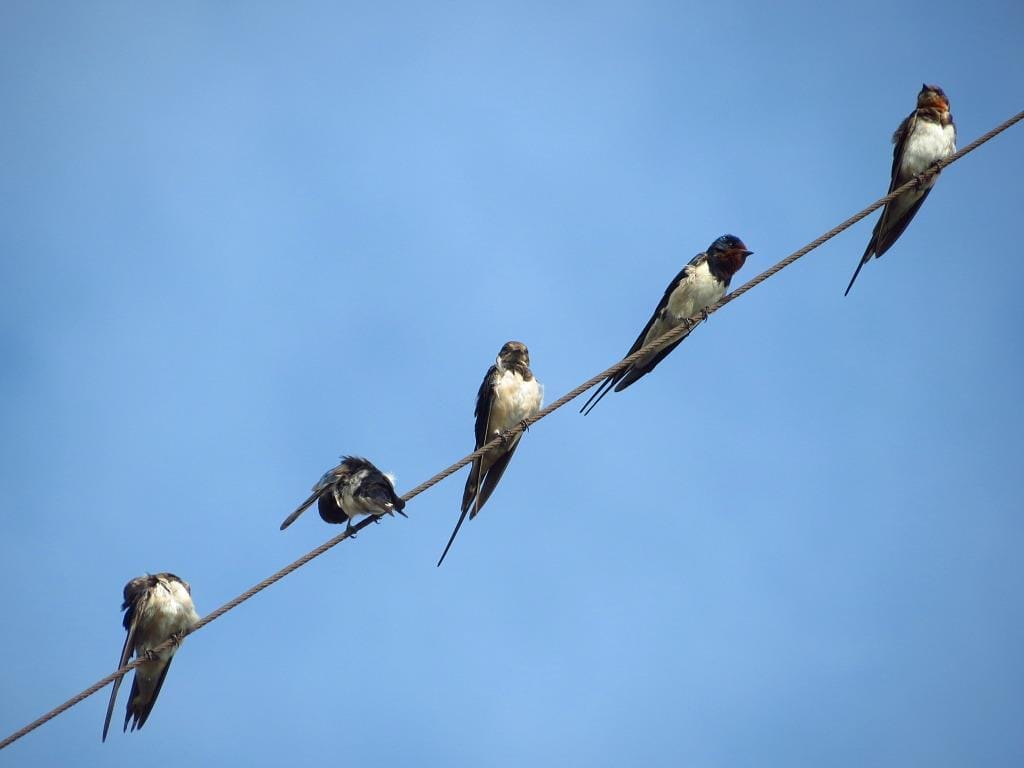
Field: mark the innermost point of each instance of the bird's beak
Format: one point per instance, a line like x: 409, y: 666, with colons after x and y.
x: 747, y: 253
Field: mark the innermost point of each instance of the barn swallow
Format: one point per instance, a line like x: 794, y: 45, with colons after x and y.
x: 925, y: 136
x: 701, y: 283
x: 509, y: 394
x: 156, y: 608
x: 354, y: 487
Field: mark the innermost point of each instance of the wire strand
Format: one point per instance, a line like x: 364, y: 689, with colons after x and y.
x: 676, y: 333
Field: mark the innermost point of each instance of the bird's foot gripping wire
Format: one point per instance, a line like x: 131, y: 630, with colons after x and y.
x: 507, y: 437
x: 926, y: 176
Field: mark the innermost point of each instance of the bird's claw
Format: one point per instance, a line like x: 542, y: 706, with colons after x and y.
x: 704, y: 314
x: 177, y: 637
x: 926, y: 175
x: 150, y: 655
x: 525, y: 425
x: 506, y: 437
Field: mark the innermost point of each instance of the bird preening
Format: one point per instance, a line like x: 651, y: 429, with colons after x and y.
x: 508, y: 395
x: 353, y: 488
x: 925, y: 136
x: 157, y: 608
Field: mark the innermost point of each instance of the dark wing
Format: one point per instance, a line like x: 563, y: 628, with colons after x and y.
x: 633, y: 373
x: 377, y: 491
x: 482, y: 429
x: 899, y: 140
x: 484, y: 397
x: 492, y: 476
x: 483, y: 417
x: 383, y: 491
x: 882, y: 236
x: 376, y: 486
x: 884, y: 240
x: 133, y: 599
x: 483, y: 405
x: 887, y: 231
x: 140, y: 706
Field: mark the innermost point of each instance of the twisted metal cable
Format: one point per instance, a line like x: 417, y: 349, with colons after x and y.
x: 673, y: 335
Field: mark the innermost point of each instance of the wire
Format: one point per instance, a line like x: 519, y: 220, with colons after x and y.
x: 676, y: 333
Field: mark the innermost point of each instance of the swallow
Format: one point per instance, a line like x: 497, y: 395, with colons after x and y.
x: 925, y: 136
x: 700, y: 284
x: 354, y: 487
x: 508, y: 395
x: 156, y: 608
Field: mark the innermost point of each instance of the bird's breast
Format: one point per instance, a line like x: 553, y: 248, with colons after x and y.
x: 697, y: 290
x: 929, y: 142
x: 168, y: 610
x: 514, y: 399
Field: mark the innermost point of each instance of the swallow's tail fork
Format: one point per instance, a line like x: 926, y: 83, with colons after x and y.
x: 302, y: 508
x: 462, y: 519
x: 863, y: 260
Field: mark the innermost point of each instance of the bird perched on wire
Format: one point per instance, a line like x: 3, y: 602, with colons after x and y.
x: 700, y: 284
x: 157, y: 608
x: 925, y: 136
x: 509, y: 394
x: 353, y: 488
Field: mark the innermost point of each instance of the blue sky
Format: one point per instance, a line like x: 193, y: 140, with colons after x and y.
x: 242, y: 239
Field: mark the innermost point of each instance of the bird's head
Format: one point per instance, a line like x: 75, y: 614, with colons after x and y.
x: 513, y: 354
x: 728, y: 253
x: 931, y: 96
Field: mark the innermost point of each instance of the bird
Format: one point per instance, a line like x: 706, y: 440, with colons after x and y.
x: 354, y: 487
x: 508, y: 395
x: 157, y: 608
x: 701, y: 283
x: 925, y: 136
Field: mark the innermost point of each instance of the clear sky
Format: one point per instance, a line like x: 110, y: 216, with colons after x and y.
x: 240, y: 239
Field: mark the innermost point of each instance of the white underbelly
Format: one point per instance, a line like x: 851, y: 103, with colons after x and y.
x: 695, y: 293
x: 514, y: 400
x: 167, y: 612
x: 930, y: 142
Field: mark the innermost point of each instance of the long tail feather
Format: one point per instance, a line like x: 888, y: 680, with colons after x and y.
x: 864, y: 260
x: 458, y: 525
x: 302, y: 508
x: 599, y: 393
